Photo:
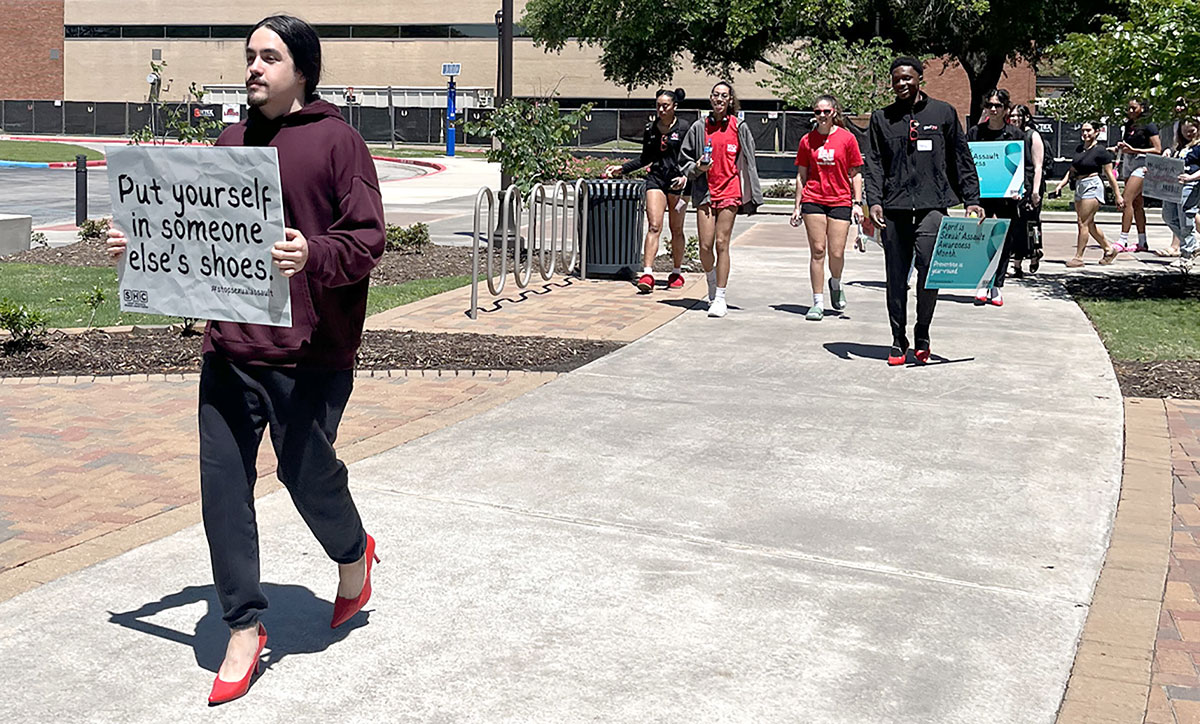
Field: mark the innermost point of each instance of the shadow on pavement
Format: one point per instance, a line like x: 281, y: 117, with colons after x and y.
x: 849, y: 350
x: 685, y: 303
x: 297, y: 623
x: 801, y: 309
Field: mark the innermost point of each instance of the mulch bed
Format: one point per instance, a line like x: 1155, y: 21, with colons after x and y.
x: 159, y: 351
x: 396, y: 267
x: 1178, y: 379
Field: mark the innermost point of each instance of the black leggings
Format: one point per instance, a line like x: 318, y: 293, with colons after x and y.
x: 303, y: 409
x: 910, y: 233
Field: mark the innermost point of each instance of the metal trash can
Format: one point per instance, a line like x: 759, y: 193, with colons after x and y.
x: 616, y: 215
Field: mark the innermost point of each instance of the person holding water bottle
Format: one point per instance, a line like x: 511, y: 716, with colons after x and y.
x: 718, y: 156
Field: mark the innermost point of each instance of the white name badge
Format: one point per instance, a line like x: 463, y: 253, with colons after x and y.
x: 924, y: 144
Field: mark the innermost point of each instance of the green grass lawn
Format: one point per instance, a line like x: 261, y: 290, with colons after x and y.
x: 58, y: 292
x: 1147, y: 329
x: 43, y: 152
x: 382, y: 298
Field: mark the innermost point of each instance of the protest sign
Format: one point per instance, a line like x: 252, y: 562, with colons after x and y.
x: 1162, y: 178
x: 201, y: 223
x: 966, y: 253
x: 1001, y: 168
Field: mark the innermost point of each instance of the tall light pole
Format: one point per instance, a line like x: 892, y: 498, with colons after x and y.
x: 504, y: 22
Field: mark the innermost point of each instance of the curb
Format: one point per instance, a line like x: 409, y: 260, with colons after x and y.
x: 437, y: 167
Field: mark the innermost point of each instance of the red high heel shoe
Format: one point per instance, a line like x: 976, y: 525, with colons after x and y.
x: 223, y: 691
x: 345, y: 608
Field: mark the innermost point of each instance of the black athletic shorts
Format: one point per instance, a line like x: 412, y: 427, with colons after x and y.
x: 838, y: 213
x: 660, y: 183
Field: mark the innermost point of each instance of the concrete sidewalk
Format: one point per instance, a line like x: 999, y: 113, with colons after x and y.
x: 747, y: 519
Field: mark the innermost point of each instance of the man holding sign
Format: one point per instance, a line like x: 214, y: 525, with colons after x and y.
x: 918, y: 165
x: 296, y: 379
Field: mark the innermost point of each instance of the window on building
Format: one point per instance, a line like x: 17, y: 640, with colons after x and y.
x: 230, y: 32
x: 143, y: 31
x: 187, y: 31
x: 333, y: 31
x: 92, y: 31
x: 424, y: 31
x: 375, y: 31
x: 475, y: 30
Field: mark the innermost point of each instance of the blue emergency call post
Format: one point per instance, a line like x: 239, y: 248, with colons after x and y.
x: 450, y: 70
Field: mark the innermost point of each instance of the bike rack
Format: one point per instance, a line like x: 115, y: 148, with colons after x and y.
x: 544, y: 246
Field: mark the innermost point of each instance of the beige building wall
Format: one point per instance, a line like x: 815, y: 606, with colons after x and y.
x: 115, y: 70
x: 574, y: 73
x: 239, y: 12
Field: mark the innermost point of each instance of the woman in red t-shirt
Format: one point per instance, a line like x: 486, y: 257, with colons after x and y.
x: 829, y: 189
x: 718, y: 155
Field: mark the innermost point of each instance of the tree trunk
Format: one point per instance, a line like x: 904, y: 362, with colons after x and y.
x: 983, y: 80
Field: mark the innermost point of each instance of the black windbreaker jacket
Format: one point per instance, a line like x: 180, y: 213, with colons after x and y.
x: 935, y: 171
x: 662, y: 155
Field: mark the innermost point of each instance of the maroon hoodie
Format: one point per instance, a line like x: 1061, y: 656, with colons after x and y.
x: 331, y: 195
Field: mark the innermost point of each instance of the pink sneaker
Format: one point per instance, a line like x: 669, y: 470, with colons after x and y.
x: 674, y: 281
x: 645, y: 283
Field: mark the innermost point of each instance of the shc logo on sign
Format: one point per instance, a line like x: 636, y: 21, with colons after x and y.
x: 136, y: 298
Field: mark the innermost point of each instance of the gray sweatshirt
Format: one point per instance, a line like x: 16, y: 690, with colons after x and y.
x: 689, y: 162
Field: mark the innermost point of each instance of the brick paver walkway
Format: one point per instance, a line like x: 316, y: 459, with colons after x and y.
x: 82, y: 459
x: 1175, y: 694
x: 561, y: 307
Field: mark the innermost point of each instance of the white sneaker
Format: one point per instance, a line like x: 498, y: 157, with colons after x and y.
x: 717, y: 308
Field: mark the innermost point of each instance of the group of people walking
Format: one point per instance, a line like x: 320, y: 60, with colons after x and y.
x: 913, y: 164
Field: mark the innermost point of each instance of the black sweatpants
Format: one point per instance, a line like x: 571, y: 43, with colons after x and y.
x: 303, y: 408
x: 907, y: 233
x: 1013, y: 240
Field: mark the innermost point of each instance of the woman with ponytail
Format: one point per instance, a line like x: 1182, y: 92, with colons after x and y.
x: 666, y: 186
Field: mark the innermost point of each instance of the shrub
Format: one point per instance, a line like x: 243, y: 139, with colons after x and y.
x: 407, y: 238
x: 93, y: 299
x: 781, y: 190
x: 591, y: 167
x: 26, y: 325
x: 532, y: 135
x: 93, y: 230
x: 38, y: 240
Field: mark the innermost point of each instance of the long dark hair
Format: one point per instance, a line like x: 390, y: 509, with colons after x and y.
x: 1026, y: 116
x: 303, y: 43
x: 734, y: 105
x: 839, y: 119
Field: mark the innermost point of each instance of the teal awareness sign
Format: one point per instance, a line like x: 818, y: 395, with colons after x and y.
x: 1001, y: 166
x: 966, y: 253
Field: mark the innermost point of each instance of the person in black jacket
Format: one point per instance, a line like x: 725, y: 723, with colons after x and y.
x: 995, y: 127
x: 918, y: 166
x: 665, y: 186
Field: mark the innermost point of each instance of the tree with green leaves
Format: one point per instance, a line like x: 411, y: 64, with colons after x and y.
x: 643, y: 42
x: 531, y: 136
x: 854, y: 72
x: 1155, y: 54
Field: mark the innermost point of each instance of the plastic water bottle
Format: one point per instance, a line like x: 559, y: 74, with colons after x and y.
x: 707, y: 157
